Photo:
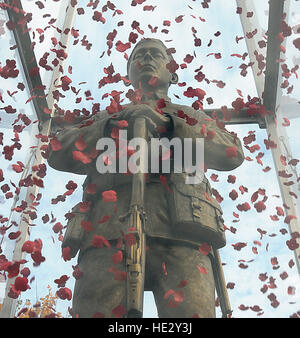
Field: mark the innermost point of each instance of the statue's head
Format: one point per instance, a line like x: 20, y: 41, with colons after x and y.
x: 149, y: 59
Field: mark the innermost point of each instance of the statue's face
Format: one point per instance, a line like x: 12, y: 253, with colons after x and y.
x: 149, y: 59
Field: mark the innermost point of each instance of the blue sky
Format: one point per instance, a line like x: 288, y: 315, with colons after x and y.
x: 87, y: 70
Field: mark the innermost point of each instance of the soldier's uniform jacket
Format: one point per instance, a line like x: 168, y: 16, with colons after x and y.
x: 187, y: 213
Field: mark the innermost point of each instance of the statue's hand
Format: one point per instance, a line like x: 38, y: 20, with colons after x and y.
x: 155, y: 120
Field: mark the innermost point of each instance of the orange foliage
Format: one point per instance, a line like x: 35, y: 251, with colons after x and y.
x: 44, y: 308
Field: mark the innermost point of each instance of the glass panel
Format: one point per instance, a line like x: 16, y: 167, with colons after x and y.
x: 256, y: 254
x: 45, y: 30
x: 18, y: 120
x: 256, y: 257
x: 287, y: 122
x: 261, y: 11
x: 17, y: 126
x: 288, y: 84
x: 17, y: 129
x: 214, y: 67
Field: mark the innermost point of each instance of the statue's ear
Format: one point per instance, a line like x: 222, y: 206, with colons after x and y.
x: 126, y: 81
x: 174, y: 79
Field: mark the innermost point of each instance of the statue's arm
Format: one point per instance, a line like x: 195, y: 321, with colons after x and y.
x: 222, y: 150
x: 71, y: 159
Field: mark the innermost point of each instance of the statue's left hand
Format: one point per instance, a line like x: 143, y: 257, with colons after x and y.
x: 138, y: 110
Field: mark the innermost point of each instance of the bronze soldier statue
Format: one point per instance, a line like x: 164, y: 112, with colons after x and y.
x: 183, y: 221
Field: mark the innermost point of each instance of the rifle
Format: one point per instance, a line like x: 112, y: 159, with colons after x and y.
x: 136, y: 253
x: 220, y: 284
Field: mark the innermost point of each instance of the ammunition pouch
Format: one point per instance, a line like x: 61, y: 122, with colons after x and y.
x: 75, y: 234
x: 195, y: 215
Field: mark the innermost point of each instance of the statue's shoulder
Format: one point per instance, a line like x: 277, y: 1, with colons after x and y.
x: 102, y: 114
x: 185, y: 109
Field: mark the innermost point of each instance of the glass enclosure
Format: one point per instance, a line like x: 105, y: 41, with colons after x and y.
x: 214, y: 53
